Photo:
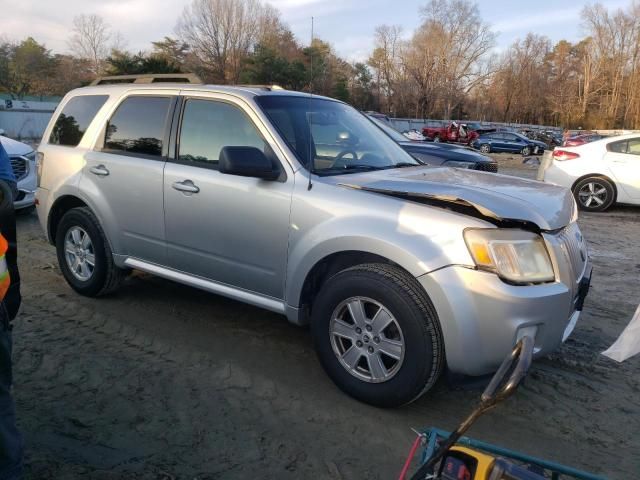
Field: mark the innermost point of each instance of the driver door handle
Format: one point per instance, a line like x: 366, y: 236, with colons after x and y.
x: 100, y: 170
x: 186, y: 186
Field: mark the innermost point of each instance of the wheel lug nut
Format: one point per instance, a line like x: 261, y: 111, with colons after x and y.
x: 358, y: 330
x: 359, y: 343
x: 368, y: 327
x: 376, y: 339
x: 370, y: 349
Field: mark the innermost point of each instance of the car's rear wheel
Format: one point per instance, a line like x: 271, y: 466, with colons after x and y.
x: 594, y: 194
x: 526, y: 151
x: 485, y: 148
x: 377, y: 335
x: 84, y: 254
x: 436, y: 139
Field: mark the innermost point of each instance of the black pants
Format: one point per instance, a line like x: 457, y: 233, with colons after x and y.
x: 10, y: 438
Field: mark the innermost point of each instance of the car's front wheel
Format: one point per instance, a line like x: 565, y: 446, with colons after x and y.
x: 436, y: 139
x: 84, y: 254
x: 485, y: 148
x: 377, y: 335
x: 594, y: 194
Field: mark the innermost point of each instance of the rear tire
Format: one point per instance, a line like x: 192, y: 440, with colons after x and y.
x: 436, y: 139
x: 412, y: 336
x: 81, y: 242
x: 594, y: 194
x: 485, y: 148
x: 526, y: 151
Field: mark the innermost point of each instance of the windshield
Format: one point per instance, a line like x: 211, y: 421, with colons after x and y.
x: 335, y: 136
x: 395, y: 135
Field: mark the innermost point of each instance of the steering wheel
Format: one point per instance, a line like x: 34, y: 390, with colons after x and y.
x: 339, y: 162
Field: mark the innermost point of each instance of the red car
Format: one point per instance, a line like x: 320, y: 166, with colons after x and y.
x: 581, y: 139
x: 454, y: 132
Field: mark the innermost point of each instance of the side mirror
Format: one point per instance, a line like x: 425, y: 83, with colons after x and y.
x: 246, y: 162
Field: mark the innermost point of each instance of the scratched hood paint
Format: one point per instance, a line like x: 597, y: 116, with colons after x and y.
x: 499, y: 196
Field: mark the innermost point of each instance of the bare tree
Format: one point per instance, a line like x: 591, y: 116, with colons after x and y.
x: 221, y: 33
x: 90, y: 40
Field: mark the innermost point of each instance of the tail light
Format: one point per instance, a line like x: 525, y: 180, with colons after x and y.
x: 39, y: 165
x: 562, y: 155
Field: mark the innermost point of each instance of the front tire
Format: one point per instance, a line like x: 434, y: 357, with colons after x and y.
x: 377, y: 335
x: 84, y: 254
x: 436, y: 139
x: 485, y: 148
x: 594, y: 194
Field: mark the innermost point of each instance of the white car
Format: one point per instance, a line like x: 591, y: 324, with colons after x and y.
x: 23, y: 162
x: 599, y: 173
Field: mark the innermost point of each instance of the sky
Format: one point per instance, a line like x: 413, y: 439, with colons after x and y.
x: 347, y: 24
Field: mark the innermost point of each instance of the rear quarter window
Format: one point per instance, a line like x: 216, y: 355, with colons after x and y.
x: 75, y: 118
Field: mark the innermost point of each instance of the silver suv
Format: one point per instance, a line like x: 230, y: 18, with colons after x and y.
x: 300, y: 205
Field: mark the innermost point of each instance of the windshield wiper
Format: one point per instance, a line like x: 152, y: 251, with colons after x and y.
x: 405, y: 164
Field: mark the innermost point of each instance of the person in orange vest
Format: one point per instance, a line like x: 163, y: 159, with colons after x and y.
x: 11, y: 445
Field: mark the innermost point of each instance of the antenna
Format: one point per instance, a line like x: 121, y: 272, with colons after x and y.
x: 311, y: 160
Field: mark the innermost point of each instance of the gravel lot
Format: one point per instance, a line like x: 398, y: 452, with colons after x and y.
x: 162, y: 381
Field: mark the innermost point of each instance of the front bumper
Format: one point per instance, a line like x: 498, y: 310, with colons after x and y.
x: 482, y: 317
x: 27, y: 188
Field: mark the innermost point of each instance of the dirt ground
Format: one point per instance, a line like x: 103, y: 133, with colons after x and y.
x: 163, y: 381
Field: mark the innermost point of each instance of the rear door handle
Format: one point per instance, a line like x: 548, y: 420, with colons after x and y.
x: 186, y: 186
x: 99, y: 170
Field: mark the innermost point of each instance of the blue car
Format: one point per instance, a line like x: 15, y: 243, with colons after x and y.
x: 508, y: 142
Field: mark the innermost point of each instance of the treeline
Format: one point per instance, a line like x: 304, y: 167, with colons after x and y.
x: 448, y: 67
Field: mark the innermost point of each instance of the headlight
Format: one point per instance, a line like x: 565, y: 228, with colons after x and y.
x: 514, y: 255
x: 458, y: 164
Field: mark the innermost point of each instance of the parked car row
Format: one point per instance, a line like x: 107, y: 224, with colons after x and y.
x: 448, y: 155
x: 302, y: 206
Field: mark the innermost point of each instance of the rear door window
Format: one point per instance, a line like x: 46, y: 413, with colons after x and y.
x: 618, y: 147
x: 138, y: 126
x: 633, y: 147
x: 75, y: 118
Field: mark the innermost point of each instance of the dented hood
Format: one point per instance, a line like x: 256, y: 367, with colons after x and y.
x: 494, y: 196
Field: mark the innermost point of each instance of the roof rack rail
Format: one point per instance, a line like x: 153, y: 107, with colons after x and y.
x: 264, y: 87
x: 148, y: 78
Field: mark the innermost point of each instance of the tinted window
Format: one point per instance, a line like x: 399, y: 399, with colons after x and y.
x: 74, y: 119
x: 634, y: 146
x: 138, y: 125
x: 208, y: 126
x: 618, y: 147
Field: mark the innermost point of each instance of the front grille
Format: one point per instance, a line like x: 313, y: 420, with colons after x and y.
x: 487, y: 167
x: 573, y: 246
x: 20, y: 167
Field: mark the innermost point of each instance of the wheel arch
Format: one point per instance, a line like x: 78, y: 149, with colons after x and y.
x: 61, y: 206
x: 327, y: 267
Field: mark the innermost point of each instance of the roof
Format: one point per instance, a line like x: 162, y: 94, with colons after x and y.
x: 239, y: 90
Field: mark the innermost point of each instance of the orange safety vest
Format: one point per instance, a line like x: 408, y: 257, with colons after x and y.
x: 4, y: 271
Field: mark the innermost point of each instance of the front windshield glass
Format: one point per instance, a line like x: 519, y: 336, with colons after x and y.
x: 389, y: 130
x: 332, y: 137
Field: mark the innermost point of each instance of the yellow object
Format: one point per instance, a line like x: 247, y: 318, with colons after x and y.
x: 485, y: 462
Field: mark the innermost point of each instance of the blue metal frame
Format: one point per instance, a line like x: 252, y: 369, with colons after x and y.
x: 433, y: 434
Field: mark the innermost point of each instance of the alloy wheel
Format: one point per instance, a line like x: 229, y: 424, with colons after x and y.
x: 367, y: 339
x: 79, y: 253
x: 592, y: 195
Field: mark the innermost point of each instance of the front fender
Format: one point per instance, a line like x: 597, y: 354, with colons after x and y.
x: 330, y: 219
